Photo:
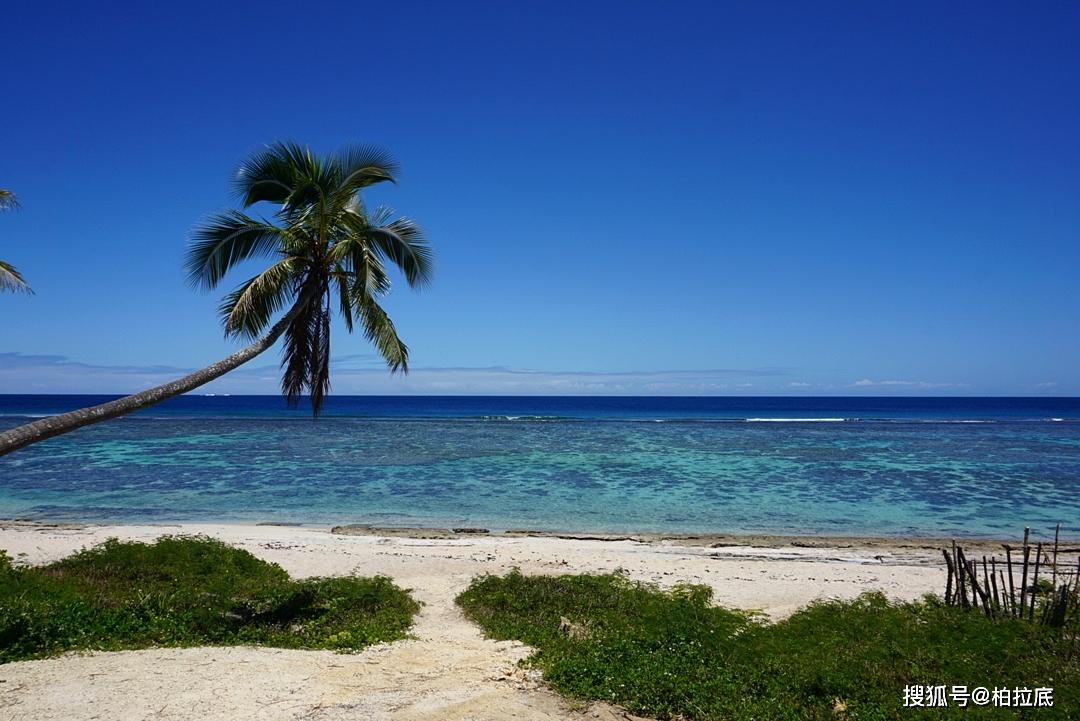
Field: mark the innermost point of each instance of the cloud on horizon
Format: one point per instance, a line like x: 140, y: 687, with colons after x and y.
x: 365, y: 374
x: 919, y: 385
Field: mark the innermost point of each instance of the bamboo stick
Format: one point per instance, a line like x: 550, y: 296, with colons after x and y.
x: 993, y: 582
x: 1057, y: 534
x: 1076, y: 588
x: 1035, y: 582
x: 984, y: 593
x: 948, y: 581
x: 960, y: 581
x: 1023, y: 577
x: 978, y: 593
x: 1012, y: 590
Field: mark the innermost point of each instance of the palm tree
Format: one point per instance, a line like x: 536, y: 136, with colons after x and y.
x: 327, y: 249
x: 11, y: 279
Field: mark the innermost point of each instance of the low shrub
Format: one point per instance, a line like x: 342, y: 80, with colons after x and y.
x: 188, y: 591
x: 671, y: 654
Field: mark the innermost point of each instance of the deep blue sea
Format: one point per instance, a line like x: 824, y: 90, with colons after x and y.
x: 841, y: 466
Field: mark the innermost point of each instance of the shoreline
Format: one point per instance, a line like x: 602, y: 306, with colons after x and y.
x: 915, y: 542
x: 775, y: 575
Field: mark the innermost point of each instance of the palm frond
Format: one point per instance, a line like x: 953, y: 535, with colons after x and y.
x: 359, y: 166
x: 248, y: 309
x: 8, y: 201
x: 403, y: 243
x: 271, y: 175
x: 12, y: 280
x: 369, y: 276
x: 226, y: 239
x: 362, y: 265
x: 296, y: 355
x: 380, y: 331
x: 319, y: 364
x: 341, y: 283
x: 288, y: 174
x: 306, y: 356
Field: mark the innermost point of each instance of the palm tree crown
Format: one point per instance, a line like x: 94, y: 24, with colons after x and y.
x: 10, y: 278
x: 327, y: 249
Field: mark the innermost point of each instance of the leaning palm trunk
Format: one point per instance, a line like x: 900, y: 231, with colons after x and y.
x: 24, y: 435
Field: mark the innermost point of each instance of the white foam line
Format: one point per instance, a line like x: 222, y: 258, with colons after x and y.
x: 795, y: 420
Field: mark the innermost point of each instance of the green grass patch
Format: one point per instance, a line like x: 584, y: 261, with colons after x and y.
x: 188, y: 591
x: 673, y: 654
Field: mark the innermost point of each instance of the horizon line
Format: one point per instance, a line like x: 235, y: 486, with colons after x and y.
x: 557, y: 395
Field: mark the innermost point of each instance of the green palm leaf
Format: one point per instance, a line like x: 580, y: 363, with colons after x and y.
x: 8, y: 201
x: 296, y: 355
x: 272, y: 175
x: 402, y: 242
x: 341, y: 284
x: 249, y: 309
x: 226, y: 239
x: 380, y: 331
x: 359, y: 166
x: 12, y: 280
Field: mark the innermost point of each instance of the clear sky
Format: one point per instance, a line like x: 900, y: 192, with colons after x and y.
x: 676, y: 198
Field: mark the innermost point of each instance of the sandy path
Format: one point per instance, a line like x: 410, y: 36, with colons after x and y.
x: 449, y: 671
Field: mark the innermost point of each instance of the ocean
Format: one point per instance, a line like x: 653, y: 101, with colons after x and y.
x: 835, y: 466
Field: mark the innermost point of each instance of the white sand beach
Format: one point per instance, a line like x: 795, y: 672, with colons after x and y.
x: 449, y: 670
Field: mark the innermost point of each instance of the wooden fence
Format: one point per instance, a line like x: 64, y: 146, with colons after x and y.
x: 1012, y: 587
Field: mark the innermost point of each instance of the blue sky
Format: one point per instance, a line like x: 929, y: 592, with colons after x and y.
x: 684, y: 198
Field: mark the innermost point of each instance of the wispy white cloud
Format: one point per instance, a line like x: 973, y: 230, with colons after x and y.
x: 23, y: 373
x: 921, y: 385
x: 364, y: 374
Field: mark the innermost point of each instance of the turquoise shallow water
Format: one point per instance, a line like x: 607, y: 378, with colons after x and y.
x: 595, y: 472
